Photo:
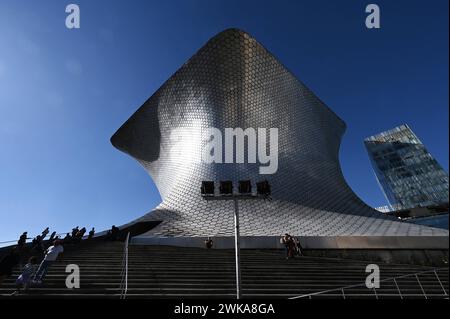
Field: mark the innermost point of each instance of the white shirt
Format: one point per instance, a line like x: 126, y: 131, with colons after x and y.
x: 53, y: 252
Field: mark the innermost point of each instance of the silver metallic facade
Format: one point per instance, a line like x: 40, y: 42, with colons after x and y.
x: 407, y: 173
x: 234, y: 82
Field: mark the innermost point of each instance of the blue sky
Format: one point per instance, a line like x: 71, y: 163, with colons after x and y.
x: 63, y: 92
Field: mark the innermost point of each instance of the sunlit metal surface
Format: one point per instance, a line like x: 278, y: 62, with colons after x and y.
x: 235, y: 82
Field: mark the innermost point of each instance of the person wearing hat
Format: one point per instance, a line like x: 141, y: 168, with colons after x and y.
x: 51, y: 254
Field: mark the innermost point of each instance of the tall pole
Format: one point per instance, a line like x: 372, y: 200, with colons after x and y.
x: 237, y: 249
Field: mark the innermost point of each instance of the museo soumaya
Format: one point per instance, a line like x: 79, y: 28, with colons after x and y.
x: 234, y: 82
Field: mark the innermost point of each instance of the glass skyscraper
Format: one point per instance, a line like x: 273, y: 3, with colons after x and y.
x: 407, y: 173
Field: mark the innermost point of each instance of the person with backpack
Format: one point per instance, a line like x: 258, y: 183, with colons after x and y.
x: 25, y: 278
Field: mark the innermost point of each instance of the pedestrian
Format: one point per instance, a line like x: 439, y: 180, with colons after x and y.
x: 114, y: 233
x: 209, y: 243
x: 52, y: 237
x: 38, y: 244
x: 286, y: 240
x: 291, y: 247
x: 298, y: 247
x: 91, y: 233
x: 82, y: 232
x: 75, y: 231
x: 67, y: 239
x: 45, y: 233
x: 22, y: 240
x: 51, y: 254
x: 25, y: 278
x: 7, y: 264
x: 79, y: 235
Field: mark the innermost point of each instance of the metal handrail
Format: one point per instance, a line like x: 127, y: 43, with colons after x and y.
x: 341, y: 289
x: 124, y: 274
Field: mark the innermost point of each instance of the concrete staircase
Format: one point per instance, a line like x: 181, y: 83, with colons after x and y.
x: 198, y: 273
x: 173, y: 272
x: 100, y: 273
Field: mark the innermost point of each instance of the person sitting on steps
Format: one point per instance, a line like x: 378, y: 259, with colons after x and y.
x: 209, y: 243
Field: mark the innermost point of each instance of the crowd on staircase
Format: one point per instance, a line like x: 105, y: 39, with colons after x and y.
x: 41, y: 253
